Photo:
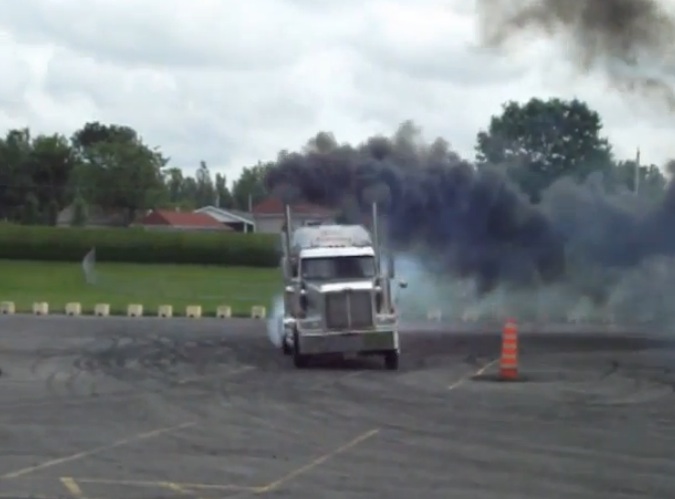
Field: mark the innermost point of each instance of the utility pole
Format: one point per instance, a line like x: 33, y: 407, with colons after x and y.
x: 637, y: 172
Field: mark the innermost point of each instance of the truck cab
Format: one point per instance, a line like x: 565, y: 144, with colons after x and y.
x: 337, y: 298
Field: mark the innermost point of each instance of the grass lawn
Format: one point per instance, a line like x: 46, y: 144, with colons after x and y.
x: 58, y: 283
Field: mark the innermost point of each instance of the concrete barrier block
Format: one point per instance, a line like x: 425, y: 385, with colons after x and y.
x: 165, y: 311
x: 7, y: 308
x: 224, y: 312
x: 576, y: 317
x: 470, y: 316
x: 193, y: 311
x: 258, y: 312
x: 135, y: 310
x: 102, y: 310
x: 434, y: 315
x: 41, y: 308
x: 73, y: 308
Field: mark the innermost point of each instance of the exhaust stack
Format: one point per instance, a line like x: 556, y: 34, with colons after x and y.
x: 376, y: 238
x: 382, y: 275
x: 287, y: 235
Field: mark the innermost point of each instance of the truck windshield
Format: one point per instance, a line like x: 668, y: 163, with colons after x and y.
x: 341, y: 267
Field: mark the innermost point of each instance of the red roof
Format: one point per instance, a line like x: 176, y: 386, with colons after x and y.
x: 274, y: 206
x: 181, y: 219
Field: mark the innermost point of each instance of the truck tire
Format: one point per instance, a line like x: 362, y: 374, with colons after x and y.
x: 299, y: 360
x: 285, y: 348
x: 391, y: 360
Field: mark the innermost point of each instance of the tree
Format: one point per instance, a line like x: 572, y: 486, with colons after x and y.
x: 29, y: 212
x: 95, y: 133
x: 250, y: 185
x: 652, y: 183
x: 34, y: 176
x: 79, y: 211
x: 51, y: 163
x: 15, y: 180
x: 541, y: 141
x: 179, y: 191
x: 173, y: 178
x: 189, y: 193
x: 117, y: 170
x: 206, y: 192
x: 223, y: 195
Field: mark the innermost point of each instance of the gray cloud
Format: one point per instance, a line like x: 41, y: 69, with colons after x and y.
x: 631, y: 41
x: 168, y: 33
x: 233, y: 83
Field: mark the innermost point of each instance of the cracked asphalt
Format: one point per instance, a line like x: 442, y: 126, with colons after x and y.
x: 108, y: 408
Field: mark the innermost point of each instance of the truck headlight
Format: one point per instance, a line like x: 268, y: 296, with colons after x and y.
x: 311, y: 323
x: 386, y: 319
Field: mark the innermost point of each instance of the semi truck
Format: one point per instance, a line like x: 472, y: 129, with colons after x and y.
x: 337, y: 293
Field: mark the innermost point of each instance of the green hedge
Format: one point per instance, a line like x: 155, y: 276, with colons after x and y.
x: 137, y: 245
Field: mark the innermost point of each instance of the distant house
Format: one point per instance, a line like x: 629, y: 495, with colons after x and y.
x: 177, y: 220
x: 269, y: 215
x: 96, y: 217
x: 239, y: 221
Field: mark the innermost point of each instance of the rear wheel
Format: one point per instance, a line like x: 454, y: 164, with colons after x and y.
x: 391, y: 360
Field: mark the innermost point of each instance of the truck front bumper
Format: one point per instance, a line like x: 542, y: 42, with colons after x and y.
x: 312, y: 343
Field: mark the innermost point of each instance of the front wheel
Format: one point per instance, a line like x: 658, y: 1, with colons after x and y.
x: 287, y: 350
x: 391, y: 360
x: 299, y: 360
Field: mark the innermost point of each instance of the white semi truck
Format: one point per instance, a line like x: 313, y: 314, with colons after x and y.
x: 337, y: 295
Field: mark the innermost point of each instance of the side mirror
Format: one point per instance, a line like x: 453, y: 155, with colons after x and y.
x: 402, y: 284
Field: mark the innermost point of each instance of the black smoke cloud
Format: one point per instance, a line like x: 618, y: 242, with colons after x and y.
x: 631, y: 41
x: 473, y: 221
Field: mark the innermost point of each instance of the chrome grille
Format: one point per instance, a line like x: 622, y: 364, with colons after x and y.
x: 340, y: 305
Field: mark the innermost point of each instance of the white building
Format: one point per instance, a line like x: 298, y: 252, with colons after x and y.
x: 237, y: 220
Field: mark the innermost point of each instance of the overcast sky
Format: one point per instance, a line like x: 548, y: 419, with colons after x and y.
x: 232, y: 82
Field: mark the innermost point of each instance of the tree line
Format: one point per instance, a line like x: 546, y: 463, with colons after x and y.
x: 111, y: 167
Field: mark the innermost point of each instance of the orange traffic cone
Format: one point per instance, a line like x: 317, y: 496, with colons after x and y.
x: 508, y: 363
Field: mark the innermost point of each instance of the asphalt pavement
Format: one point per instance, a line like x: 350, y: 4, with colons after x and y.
x: 110, y: 408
